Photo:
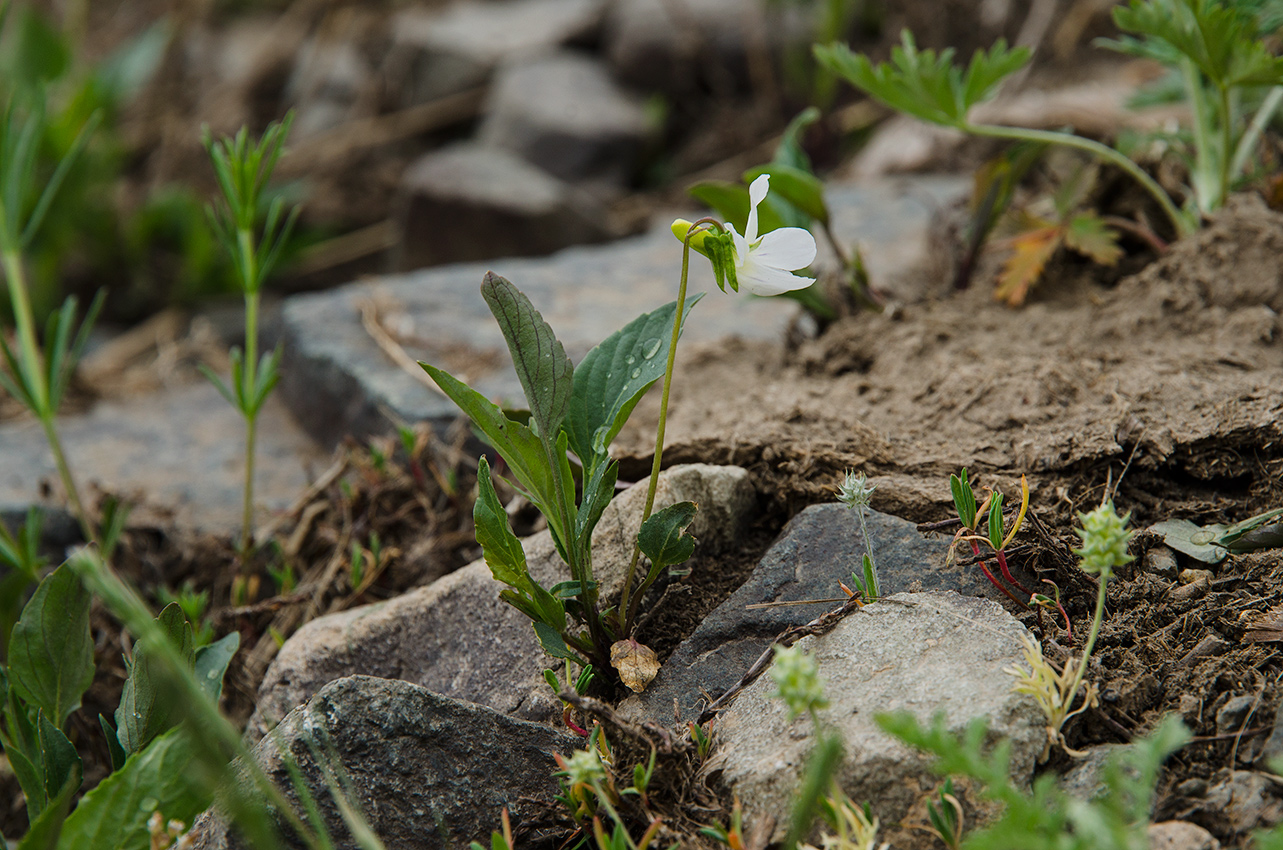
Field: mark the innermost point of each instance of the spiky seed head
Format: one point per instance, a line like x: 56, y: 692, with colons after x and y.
x: 1104, y: 534
x: 586, y: 767
x: 797, y: 681
x: 855, y: 491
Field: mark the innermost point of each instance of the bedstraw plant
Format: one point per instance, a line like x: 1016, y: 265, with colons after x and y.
x: 243, y: 167
x: 574, y: 414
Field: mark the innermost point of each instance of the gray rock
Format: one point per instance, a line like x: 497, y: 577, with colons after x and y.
x: 180, y: 451
x: 1230, y: 717
x: 819, y: 547
x: 923, y: 653
x: 1161, y: 561
x: 426, y: 771
x: 1243, y: 801
x: 1086, y: 779
x: 1181, y: 835
x: 339, y: 382
x: 564, y: 114
x: 437, y: 53
x: 676, y: 47
x: 471, y: 202
x: 456, y: 637
x: 329, y: 80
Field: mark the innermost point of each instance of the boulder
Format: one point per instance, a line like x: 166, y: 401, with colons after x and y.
x: 925, y: 653
x: 564, y: 114
x: 473, y: 202
x: 425, y: 770
x: 819, y: 547
x: 436, y: 53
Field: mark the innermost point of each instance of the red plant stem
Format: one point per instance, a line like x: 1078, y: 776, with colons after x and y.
x: 1006, y: 573
x: 571, y: 725
x: 976, y: 548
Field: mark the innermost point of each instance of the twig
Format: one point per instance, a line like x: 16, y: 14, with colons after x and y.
x: 393, y: 349
x: 268, y: 530
x: 648, y: 732
x: 821, y: 624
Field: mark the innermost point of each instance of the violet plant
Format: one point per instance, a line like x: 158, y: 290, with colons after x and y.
x: 576, y: 411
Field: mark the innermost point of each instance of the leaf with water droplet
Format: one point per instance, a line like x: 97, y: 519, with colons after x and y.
x: 606, y: 390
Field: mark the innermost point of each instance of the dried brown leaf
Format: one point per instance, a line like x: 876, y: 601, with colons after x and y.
x: 1029, y: 255
x: 637, y: 663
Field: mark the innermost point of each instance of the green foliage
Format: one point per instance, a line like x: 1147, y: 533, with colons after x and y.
x: 797, y: 681
x: 579, y: 410
x: 925, y: 84
x: 1048, y: 818
x: 51, y: 659
x: 663, y: 539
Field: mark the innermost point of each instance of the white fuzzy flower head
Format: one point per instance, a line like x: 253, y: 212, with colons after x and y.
x: 855, y: 491
x: 764, y: 265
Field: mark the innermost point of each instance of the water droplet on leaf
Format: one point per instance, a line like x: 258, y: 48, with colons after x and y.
x: 637, y: 372
x: 650, y: 348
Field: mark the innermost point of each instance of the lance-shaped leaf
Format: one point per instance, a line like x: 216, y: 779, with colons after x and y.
x: 995, y: 521
x: 614, y: 376
x: 146, y: 706
x: 51, y: 653
x: 210, y: 664
x: 664, y: 539
x: 545, y: 372
x: 964, y: 499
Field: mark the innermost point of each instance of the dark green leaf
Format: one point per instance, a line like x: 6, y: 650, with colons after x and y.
x: 46, y: 829
x: 963, y: 499
x: 114, y: 814
x: 663, y: 537
x: 1197, y: 542
x: 118, y: 754
x: 30, y: 779
x: 614, y: 376
x: 552, y: 642
x: 545, y: 372
x: 515, y: 442
x: 598, y: 491
x: 499, y: 546
x: 60, y: 763
x: 146, y: 708
x: 210, y: 664
x: 51, y: 653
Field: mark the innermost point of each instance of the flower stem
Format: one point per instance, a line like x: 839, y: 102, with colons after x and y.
x: 629, y: 608
x: 245, y: 242
x: 36, y: 382
x: 1091, y: 637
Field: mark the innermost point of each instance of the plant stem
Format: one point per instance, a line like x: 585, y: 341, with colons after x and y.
x: 630, y: 608
x: 1248, y: 141
x: 1091, y: 637
x: 245, y: 242
x: 1091, y: 146
x: 37, y: 385
x: 868, y: 549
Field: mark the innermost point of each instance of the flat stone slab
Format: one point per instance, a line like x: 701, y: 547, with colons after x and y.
x: 819, y: 547
x: 925, y: 653
x: 339, y: 381
x: 183, y: 450
x: 426, y: 771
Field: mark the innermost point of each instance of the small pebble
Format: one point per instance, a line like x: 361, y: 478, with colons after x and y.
x: 1161, y: 561
x: 1192, y: 576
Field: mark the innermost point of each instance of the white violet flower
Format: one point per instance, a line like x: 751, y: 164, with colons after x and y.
x: 764, y: 265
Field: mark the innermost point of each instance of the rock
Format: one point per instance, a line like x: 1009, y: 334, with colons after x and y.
x: 339, y: 381
x: 1243, y: 801
x: 1230, y: 717
x: 659, y: 45
x: 1161, y: 561
x: 1085, y: 780
x: 1180, y: 835
x: 471, y: 202
x: 439, y: 53
x: 1191, y: 576
x: 1211, y: 646
x: 180, y: 451
x: 427, y: 771
x: 923, y: 653
x: 326, y: 87
x: 564, y: 114
x: 818, y: 548
x: 457, y: 638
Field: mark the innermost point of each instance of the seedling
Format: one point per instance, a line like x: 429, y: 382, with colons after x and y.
x: 946, y: 816
x: 964, y: 501
x: 856, y: 493
x: 243, y: 168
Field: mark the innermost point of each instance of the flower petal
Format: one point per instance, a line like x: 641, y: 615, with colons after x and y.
x: 756, y: 194
x: 787, y: 248
x: 764, y: 280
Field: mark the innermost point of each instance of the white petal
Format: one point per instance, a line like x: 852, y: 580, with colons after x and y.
x: 758, y: 189
x: 764, y: 280
x: 786, y: 248
x: 741, y: 246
